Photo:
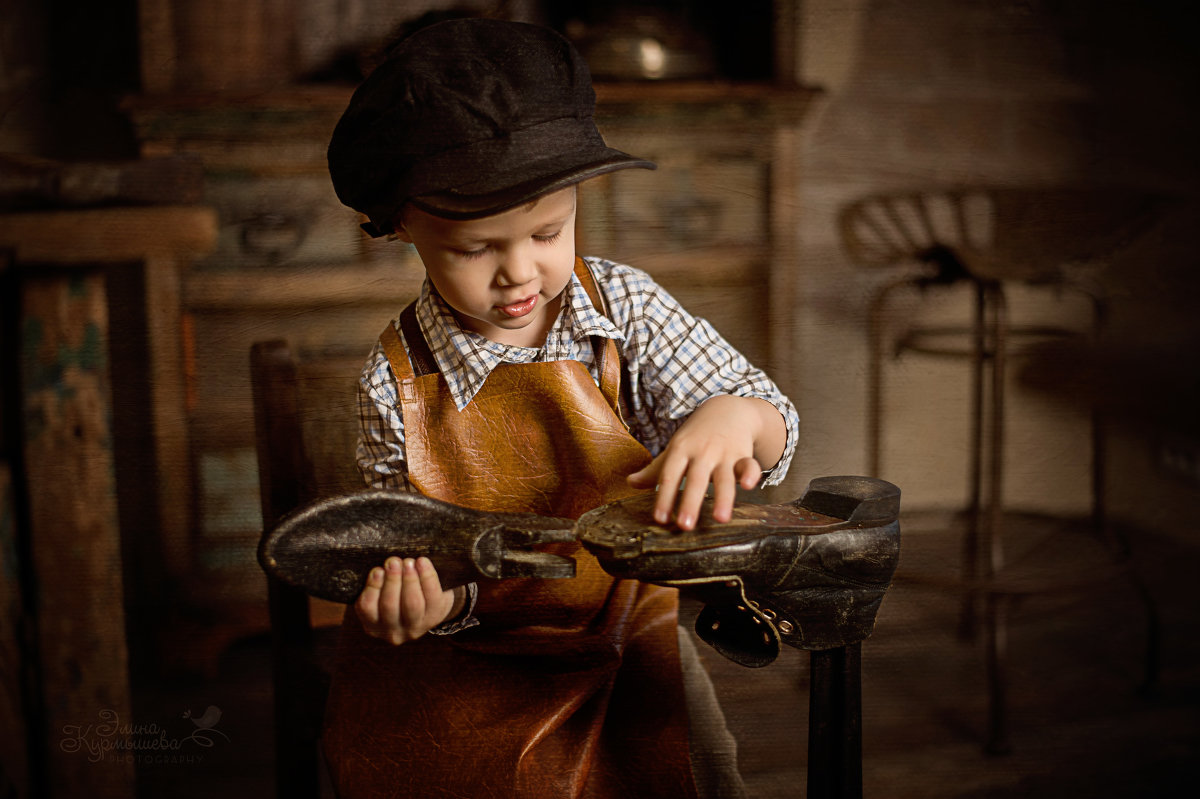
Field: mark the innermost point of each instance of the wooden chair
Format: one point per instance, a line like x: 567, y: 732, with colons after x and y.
x: 306, y: 426
x: 306, y: 430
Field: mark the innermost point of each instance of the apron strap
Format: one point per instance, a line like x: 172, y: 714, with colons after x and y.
x: 418, y: 358
x: 614, y: 380
x: 418, y: 348
x: 608, y: 362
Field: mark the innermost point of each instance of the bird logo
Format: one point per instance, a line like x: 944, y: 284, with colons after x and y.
x: 205, y: 726
x: 209, y: 720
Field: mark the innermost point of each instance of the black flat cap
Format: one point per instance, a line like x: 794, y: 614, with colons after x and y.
x: 468, y: 118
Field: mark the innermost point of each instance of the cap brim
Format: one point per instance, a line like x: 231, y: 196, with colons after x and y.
x: 466, y: 203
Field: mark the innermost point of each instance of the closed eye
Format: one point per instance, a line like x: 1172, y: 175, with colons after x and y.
x: 548, y: 238
x: 469, y: 254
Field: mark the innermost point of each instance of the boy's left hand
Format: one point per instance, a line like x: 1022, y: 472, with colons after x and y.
x: 724, y: 442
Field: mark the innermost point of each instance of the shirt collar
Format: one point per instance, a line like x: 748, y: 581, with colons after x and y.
x: 466, y: 358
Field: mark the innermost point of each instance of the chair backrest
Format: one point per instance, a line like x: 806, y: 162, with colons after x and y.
x: 306, y: 423
x: 306, y: 430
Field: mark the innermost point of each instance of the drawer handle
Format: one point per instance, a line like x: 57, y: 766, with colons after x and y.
x: 272, y: 236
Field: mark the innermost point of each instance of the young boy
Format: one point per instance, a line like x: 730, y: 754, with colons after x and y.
x: 527, y: 379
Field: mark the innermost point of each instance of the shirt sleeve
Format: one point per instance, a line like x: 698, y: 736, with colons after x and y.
x: 676, y: 361
x: 381, y: 455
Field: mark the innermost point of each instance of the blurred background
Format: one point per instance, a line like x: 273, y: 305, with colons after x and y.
x: 958, y: 234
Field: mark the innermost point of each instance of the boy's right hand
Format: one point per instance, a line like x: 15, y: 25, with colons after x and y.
x: 403, y: 600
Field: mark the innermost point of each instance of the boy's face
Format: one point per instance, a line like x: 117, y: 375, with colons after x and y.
x: 503, y: 275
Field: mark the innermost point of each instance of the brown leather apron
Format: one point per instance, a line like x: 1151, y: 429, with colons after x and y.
x: 567, y: 688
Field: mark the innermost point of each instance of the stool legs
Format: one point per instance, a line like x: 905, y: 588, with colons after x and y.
x: 970, y: 542
x: 984, y: 603
x: 995, y: 607
x: 994, y: 309
x: 835, y: 724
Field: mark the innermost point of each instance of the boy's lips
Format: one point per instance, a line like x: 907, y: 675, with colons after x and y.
x: 519, y: 308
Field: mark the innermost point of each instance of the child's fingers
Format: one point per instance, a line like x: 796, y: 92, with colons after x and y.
x: 695, y: 488
x: 749, y: 472
x: 725, y: 486
x: 400, y: 600
x: 412, y: 599
x: 670, y: 475
x: 647, y: 476
x: 389, y: 596
x: 431, y: 587
x: 367, y: 606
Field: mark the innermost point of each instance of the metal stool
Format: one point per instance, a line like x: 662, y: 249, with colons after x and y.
x: 988, y: 240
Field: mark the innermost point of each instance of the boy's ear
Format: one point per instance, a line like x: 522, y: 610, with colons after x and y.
x: 399, y: 231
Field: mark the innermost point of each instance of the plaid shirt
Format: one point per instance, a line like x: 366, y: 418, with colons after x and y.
x: 674, y: 362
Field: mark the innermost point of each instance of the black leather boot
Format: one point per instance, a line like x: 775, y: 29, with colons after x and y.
x: 810, y: 574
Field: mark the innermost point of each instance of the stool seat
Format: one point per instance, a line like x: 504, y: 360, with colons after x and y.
x: 953, y: 341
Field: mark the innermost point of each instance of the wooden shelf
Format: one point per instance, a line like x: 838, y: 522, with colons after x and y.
x: 335, y: 95
x: 719, y: 266
x: 312, y: 110
x: 310, y: 286
x: 657, y: 99
x: 109, y: 235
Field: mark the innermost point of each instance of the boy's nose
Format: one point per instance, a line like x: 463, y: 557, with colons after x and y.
x: 516, y: 269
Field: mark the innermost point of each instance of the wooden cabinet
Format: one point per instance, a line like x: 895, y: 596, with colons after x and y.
x: 289, y: 262
x: 714, y: 223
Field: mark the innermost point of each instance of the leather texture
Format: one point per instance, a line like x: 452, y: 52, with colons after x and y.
x: 567, y: 688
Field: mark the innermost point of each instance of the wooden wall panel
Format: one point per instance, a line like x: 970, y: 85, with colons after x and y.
x: 74, y: 534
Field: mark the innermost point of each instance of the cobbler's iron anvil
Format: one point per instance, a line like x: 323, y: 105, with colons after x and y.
x: 810, y: 573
